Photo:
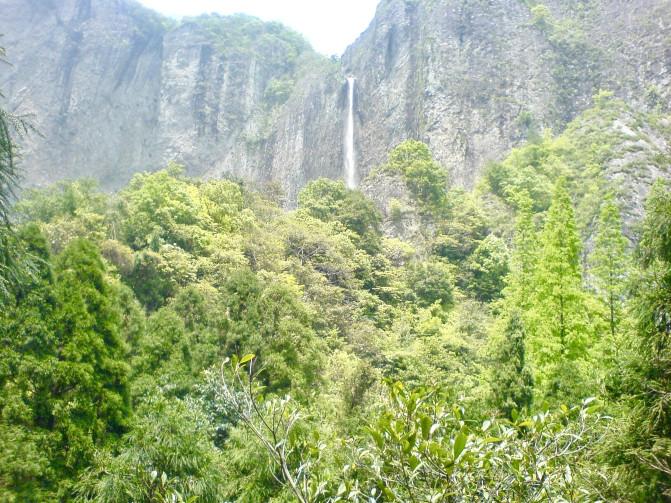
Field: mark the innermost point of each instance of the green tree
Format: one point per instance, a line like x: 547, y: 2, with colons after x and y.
x: 523, y: 262
x: 27, y: 339
x: 462, y: 229
x: 486, y: 269
x: 330, y: 201
x: 63, y: 383
x: 166, y: 456
x: 559, y: 326
x: 641, y: 449
x: 425, y: 178
x: 269, y: 320
x: 431, y: 281
x: 512, y: 382
x: 610, y: 262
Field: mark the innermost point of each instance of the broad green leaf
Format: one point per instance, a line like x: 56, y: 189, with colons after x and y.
x: 459, y: 444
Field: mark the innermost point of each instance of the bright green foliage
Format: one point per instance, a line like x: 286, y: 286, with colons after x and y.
x: 530, y: 170
x: 423, y: 449
x: 197, y: 270
x: 158, y: 208
x: 330, y: 201
x: 444, y: 350
x: 419, y: 447
x: 520, y: 286
x: 166, y: 456
x: 559, y: 333
x: 462, y: 231
x: 610, y: 262
x: 268, y: 320
x: 487, y: 268
x: 431, y: 281
x: 426, y: 179
x: 512, y: 382
x: 68, y: 210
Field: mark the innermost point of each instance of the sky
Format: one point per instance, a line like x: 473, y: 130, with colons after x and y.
x: 329, y: 25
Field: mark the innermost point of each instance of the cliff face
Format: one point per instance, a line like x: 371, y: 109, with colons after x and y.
x: 473, y: 78
x: 116, y: 89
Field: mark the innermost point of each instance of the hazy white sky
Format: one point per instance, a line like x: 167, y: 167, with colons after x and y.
x: 329, y: 25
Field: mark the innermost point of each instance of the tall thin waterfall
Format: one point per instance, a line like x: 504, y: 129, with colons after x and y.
x: 350, y: 159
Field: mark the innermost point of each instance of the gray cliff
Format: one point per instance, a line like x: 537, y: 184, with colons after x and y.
x: 116, y: 89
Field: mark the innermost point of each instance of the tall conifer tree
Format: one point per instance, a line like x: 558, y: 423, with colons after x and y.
x: 523, y: 262
x: 609, y: 260
x: 643, y: 449
x: 558, y: 313
x: 63, y: 375
x: 512, y: 382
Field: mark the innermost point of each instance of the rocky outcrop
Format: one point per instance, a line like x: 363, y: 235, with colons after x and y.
x: 115, y: 88
x: 471, y: 78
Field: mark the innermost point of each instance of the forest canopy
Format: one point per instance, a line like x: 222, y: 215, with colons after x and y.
x: 190, y: 340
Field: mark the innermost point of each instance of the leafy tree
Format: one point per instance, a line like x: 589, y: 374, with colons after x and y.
x: 157, y: 208
x: 609, y: 260
x: 422, y: 449
x: 166, y: 456
x: 63, y: 199
x: 407, y: 153
x: 273, y: 424
x: 330, y: 201
x: 462, y: 230
x: 512, y: 382
x: 268, y: 319
x: 559, y: 331
x: 426, y: 179
x: 523, y: 262
x: 486, y: 269
x: 431, y: 281
x: 530, y: 171
x: 419, y: 448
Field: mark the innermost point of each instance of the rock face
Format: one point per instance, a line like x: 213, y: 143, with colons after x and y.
x: 472, y: 77
x: 116, y: 88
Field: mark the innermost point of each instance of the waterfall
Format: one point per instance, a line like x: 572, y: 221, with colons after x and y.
x: 350, y: 160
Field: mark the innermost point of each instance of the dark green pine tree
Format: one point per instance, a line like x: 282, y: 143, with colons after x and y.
x: 512, y: 382
x: 26, y: 361
x: 90, y: 347
x: 63, y: 375
x: 643, y: 450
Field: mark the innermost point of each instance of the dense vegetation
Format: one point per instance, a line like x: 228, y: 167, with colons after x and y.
x: 190, y: 340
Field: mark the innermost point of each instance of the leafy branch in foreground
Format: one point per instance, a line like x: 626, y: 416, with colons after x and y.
x: 13, y: 267
x: 273, y: 422
x: 422, y: 449
x: 425, y: 450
